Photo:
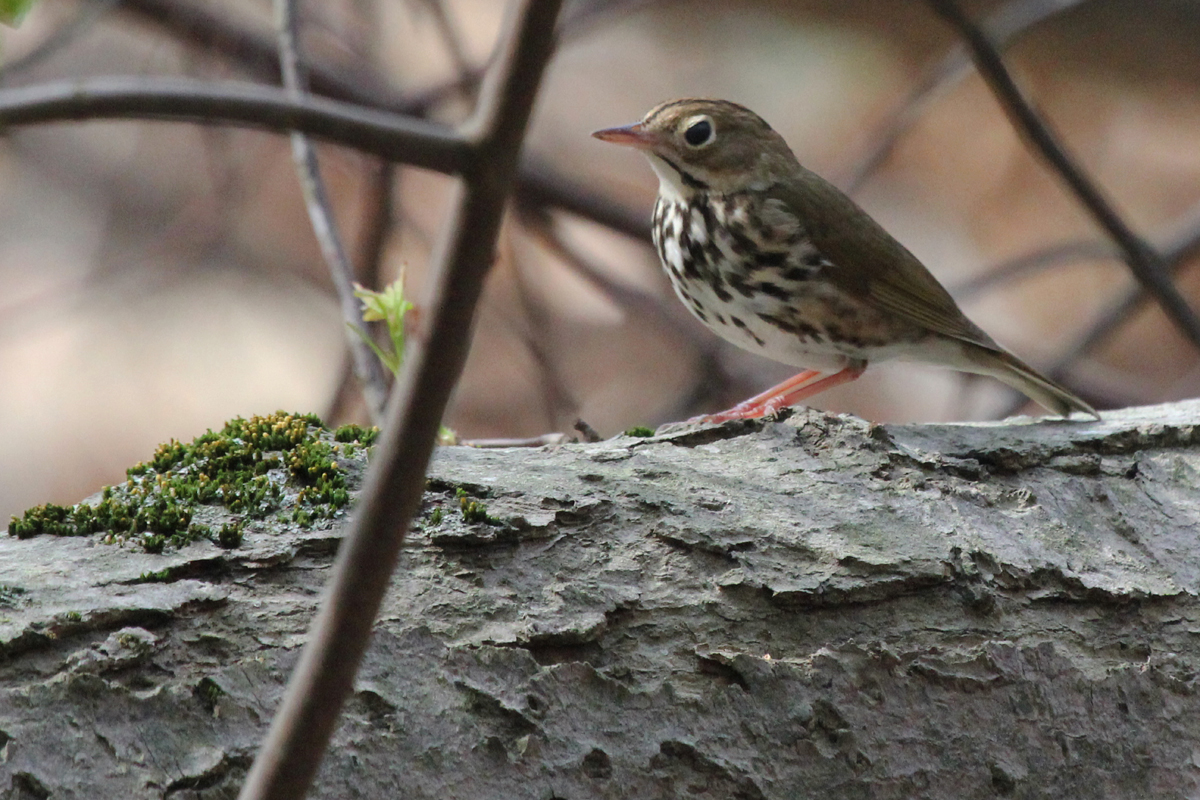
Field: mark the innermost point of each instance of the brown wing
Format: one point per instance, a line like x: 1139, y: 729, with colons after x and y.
x: 869, y: 263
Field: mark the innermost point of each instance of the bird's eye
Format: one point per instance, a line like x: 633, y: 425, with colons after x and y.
x: 699, y: 133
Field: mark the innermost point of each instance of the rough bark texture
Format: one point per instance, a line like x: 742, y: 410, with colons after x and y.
x: 810, y: 608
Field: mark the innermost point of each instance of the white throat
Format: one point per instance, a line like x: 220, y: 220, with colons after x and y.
x: 670, y: 184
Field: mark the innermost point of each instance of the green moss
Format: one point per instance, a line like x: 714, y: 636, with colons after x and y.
x: 196, y: 531
x: 252, y: 468
x: 49, y: 518
x: 10, y: 596
x: 473, y: 510
x: 313, y: 465
x: 640, y: 430
x: 356, y: 433
x: 154, y: 542
x: 231, y: 535
x: 159, y: 576
x: 208, y: 692
x: 131, y: 642
x: 435, y: 518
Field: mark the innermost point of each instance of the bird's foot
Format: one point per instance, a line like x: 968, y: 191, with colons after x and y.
x: 745, y: 410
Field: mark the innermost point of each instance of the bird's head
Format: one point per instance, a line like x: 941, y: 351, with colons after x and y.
x: 707, y: 146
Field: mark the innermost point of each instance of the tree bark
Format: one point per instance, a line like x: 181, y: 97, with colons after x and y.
x: 817, y: 607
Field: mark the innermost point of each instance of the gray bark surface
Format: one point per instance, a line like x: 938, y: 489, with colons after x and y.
x: 817, y: 607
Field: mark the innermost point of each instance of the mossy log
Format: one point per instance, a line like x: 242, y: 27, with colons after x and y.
x: 813, y: 607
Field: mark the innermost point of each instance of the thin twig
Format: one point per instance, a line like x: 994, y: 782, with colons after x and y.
x: 398, y: 138
x: 372, y: 244
x: 395, y: 483
x: 1143, y: 261
x: 367, y: 367
x: 532, y: 441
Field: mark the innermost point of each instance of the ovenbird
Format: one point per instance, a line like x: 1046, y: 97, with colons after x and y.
x: 775, y: 259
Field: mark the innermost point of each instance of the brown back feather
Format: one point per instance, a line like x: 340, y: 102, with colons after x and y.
x: 868, y: 261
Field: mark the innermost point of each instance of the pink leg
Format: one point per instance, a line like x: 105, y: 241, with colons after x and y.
x: 788, y: 393
x: 748, y: 409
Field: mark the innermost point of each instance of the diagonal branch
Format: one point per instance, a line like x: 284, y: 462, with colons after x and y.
x: 367, y: 367
x: 339, y: 636
x: 1147, y: 266
x: 382, y: 133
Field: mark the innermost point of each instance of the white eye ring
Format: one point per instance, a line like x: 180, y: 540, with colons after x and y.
x: 699, y: 131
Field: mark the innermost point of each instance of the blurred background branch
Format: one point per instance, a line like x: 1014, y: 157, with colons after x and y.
x: 367, y: 367
x: 1148, y: 267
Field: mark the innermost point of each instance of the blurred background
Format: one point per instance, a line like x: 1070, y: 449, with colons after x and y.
x: 157, y: 279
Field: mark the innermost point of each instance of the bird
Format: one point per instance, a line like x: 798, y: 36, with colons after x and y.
x: 778, y: 261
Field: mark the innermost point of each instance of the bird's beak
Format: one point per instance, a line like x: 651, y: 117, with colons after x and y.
x: 629, y: 135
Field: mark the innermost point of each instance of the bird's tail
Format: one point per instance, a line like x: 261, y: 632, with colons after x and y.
x: 1006, y: 367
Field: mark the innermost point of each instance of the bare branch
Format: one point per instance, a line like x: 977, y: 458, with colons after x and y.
x: 339, y: 636
x: 1147, y: 266
x: 316, y: 199
x: 394, y: 137
x: 531, y: 441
